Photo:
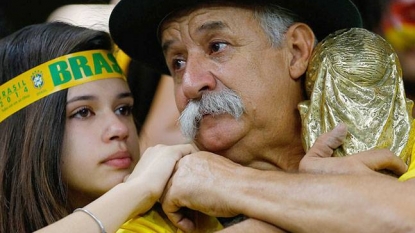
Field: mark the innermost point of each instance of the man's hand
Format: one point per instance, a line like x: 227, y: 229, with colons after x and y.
x: 202, y: 181
x: 318, y: 159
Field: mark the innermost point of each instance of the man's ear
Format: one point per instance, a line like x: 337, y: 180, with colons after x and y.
x: 300, y: 40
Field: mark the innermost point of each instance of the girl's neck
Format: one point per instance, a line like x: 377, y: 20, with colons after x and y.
x: 78, y: 199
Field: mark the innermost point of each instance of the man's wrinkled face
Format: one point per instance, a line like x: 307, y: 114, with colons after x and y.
x: 228, y: 79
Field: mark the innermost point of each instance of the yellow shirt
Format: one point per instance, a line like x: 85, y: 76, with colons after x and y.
x: 411, y: 170
x: 150, y: 222
x: 155, y: 221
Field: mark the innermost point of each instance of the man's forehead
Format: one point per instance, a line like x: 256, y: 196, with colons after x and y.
x: 205, y: 18
x: 170, y: 37
x: 171, y: 34
x: 204, y: 8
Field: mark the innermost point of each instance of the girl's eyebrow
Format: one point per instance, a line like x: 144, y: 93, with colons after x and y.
x: 124, y: 95
x: 79, y: 98
x: 91, y: 97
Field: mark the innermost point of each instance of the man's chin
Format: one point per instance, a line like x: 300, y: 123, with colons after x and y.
x: 213, y: 142
x: 218, y: 133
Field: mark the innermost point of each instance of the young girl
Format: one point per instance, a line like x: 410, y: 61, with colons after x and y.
x: 68, y: 138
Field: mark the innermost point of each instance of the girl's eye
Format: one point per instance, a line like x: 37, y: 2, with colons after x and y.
x: 82, y: 113
x: 218, y: 46
x: 124, y: 110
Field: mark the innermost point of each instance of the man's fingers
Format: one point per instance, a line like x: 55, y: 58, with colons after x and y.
x: 382, y: 159
x: 181, y: 221
x: 327, y: 142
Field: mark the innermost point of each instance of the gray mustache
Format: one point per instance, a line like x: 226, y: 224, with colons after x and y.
x: 211, y: 103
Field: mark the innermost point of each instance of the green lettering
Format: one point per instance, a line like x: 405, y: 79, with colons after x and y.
x: 59, y: 73
x: 79, y: 64
x: 114, y: 64
x: 100, y: 63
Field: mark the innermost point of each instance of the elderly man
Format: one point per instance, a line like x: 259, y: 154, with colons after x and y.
x: 238, y: 69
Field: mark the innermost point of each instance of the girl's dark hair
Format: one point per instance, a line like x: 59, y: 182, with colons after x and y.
x: 32, y: 193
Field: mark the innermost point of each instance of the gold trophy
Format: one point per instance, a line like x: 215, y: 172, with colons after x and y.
x: 355, y: 77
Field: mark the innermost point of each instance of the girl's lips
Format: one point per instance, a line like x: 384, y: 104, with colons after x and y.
x: 120, y: 163
x: 120, y: 160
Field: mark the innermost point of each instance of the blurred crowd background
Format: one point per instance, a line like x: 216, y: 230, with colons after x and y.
x: 16, y: 14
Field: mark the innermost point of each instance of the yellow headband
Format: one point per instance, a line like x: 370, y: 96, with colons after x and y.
x: 55, y: 75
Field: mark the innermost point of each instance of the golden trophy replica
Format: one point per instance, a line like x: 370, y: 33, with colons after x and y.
x: 355, y: 77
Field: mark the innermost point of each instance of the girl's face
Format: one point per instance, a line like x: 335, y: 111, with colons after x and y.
x: 100, y: 145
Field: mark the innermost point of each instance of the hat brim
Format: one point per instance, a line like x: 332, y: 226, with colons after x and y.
x: 133, y: 24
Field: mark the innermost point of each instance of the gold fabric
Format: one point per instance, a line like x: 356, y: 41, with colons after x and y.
x: 354, y: 77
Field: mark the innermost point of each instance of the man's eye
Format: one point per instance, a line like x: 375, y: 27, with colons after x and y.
x: 124, y: 110
x: 218, y: 46
x: 82, y: 113
x: 178, y: 64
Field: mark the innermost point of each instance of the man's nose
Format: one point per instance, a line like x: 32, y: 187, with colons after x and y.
x: 198, y: 77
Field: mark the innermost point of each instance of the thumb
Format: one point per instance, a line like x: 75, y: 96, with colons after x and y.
x: 327, y: 142
x: 180, y: 220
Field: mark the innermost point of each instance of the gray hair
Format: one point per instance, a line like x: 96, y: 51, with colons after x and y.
x: 225, y: 101
x: 275, y: 21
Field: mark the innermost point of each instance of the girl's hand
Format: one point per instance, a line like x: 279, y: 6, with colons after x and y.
x: 155, y: 167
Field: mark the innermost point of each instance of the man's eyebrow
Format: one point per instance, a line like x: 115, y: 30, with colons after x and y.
x: 165, y: 46
x: 213, y: 25
x: 209, y: 26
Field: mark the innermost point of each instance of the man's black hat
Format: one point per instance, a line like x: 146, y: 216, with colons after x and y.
x: 134, y: 23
